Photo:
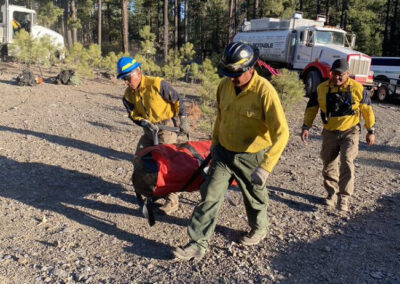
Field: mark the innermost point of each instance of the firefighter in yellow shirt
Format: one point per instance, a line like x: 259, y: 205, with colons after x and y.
x: 16, y: 25
x: 341, y: 101
x: 150, y: 102
x: 250, y: 133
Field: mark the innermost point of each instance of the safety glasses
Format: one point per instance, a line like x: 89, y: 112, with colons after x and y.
x: 127, y: 78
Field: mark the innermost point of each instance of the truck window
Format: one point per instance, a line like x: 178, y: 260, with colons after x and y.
x: 330, y: 37
x: 22, y: 21
x: 390, y: 61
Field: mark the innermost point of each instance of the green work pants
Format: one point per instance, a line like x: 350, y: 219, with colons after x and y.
x: 225, y: 166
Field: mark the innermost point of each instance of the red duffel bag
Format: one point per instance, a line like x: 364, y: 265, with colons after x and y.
x: 165, y: 168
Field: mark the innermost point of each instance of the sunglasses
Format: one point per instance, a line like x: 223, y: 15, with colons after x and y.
x: 127, y: 78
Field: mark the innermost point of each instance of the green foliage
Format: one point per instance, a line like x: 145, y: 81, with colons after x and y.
x: 187, y: 52
x: 362, y: 19
x: 78, y: 59
x: 173, y: 70
x: 192, y: 72
x: 110, y: 62
x: 94, y: 55
x: 209, y: 80
x: 75, y: 80
x: 74, y: 23
x: 289, y: 87
x: 147, y: 44
x: 49, y: 14
x: 33, y: 51
x: 147, y: 52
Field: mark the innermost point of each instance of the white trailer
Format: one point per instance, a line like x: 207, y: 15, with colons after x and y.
x: 305, y: 45
x: 13, y: 18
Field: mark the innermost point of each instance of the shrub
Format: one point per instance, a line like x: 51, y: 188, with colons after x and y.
x: 289, y: 87
x: 173, y: 70
x: 209, y: 80
x: 30, y: 51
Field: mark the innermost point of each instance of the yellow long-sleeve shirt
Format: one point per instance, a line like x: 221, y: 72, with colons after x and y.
x: 252, y: 120
x: 360, y: 100
x: 154, y: 100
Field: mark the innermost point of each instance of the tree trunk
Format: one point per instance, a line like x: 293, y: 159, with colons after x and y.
x: 231, y: 21
x: 158, y: 22
x: 255, y: 12
x: 327, y: 11
x: 99, y: 23
x: 385, y: 44
x: 236, y: 15
x: 165, y: 51
x: 99, y: 11
x: 318, y: 7
x: 124, y: 13
x: 393, y: 28
x: 109, y: 21
x: 186, y: 19
x: 65, y: 6
x: 74, y: 17
x: 176, y: 23
x: 248, y: 9
x: 343, y: 15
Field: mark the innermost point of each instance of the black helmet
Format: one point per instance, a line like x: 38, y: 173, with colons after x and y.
x: 238, y: 57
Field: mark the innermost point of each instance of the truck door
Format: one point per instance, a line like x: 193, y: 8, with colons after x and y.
x: 304, y: 49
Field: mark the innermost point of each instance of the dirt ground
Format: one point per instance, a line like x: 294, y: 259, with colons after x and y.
x: 68, y: 213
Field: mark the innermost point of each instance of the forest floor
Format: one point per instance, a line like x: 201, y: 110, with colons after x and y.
x: 68, y: 213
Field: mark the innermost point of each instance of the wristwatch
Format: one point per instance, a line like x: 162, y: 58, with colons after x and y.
x: 371, y: 130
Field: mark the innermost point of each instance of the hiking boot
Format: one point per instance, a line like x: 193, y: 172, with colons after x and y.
x: 331, y: 200
x: 171, y: 204
x: 190, y: 251
x: 253, y: 238
x: 343, y: 204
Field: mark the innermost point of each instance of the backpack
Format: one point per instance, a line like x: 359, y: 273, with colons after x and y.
x: 64, y: 77
x: 26, y: 78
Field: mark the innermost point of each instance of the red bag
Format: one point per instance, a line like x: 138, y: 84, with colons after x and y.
x: 166, y: 168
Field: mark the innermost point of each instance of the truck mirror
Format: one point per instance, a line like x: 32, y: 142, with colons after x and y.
x: 353, y: 41
x: 309, y: 41
x: 304, y: 36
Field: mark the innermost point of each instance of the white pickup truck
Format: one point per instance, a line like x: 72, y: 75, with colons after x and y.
x: 14, y: 18
x: 386, y: 76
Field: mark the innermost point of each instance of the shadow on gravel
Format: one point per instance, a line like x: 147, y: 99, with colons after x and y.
x: 103, y: 125
x: 274, y: 194
x: 59, y: 190
x: 105, y: 95
x: 74, y: 143
x: 380, y: 163
x: 366, y: 250
x: 9, y: 82
x: 378, y: 148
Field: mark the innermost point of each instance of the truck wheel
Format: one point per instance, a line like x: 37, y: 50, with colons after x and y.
x: 381, y: 93
x: 312, y: 80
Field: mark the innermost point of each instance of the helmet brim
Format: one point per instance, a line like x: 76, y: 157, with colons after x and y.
x: 129, y: 70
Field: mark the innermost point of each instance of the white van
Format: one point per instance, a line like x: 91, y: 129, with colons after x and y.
x: 386, y: 73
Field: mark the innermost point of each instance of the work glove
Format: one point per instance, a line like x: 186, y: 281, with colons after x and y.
x: 259, y: 176
x: 150, y: 126
x: 184, y: 126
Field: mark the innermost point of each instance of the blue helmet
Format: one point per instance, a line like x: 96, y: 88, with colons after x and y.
x: 125, y: 66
